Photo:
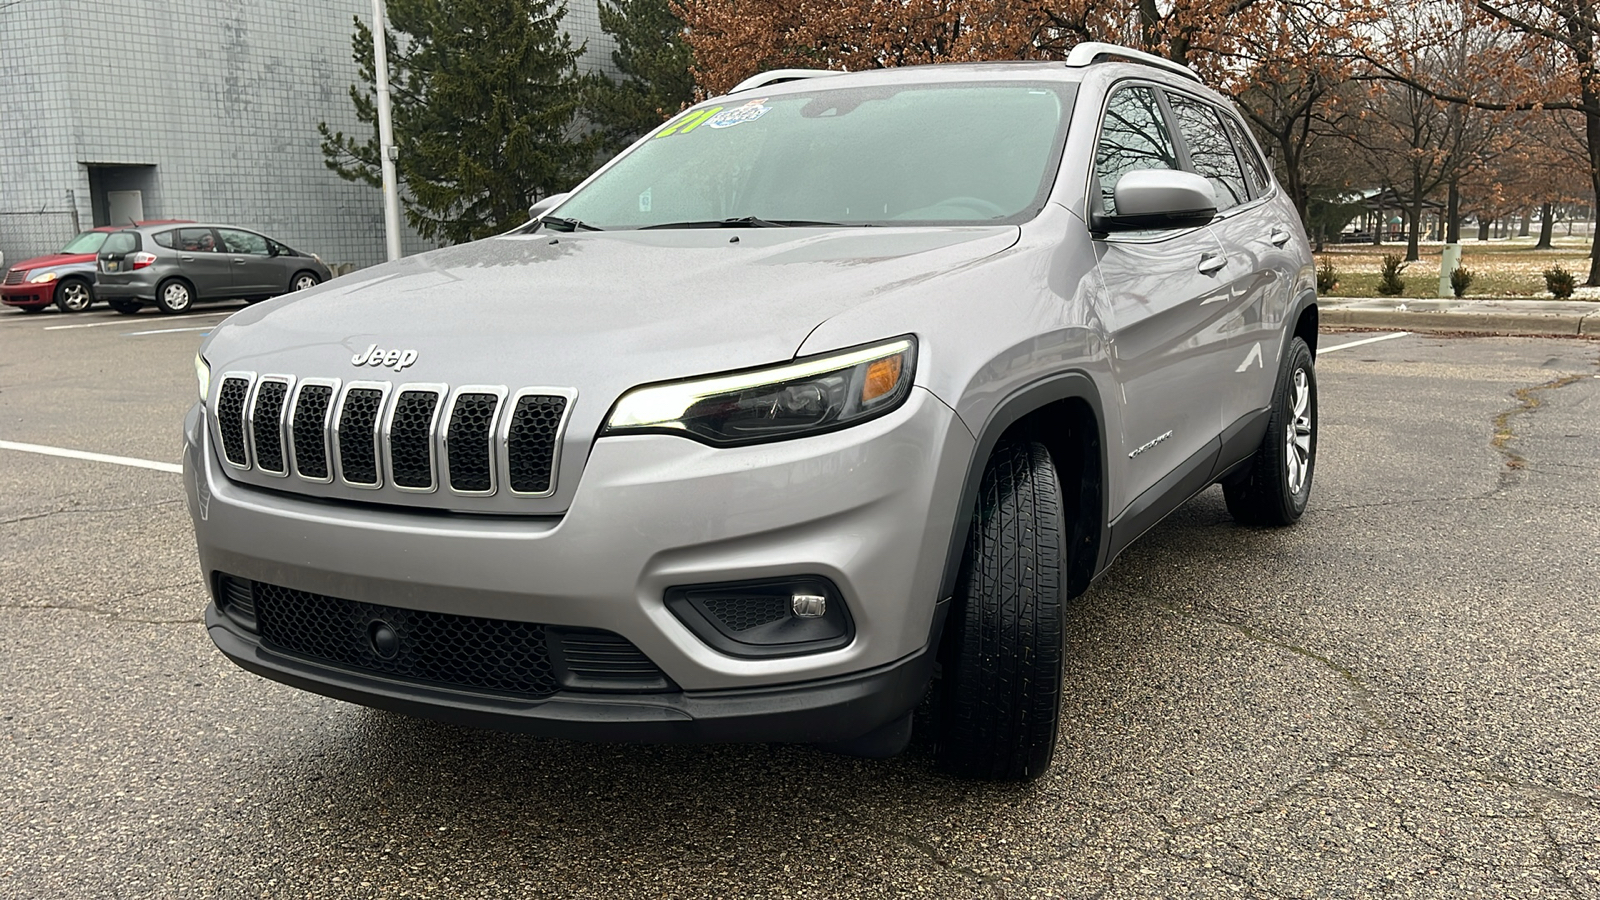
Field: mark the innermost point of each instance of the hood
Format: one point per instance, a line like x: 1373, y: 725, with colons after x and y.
x: 53, y: 259
x: 599, y: 312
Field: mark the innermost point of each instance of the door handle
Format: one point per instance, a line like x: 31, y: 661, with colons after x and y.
x: 1279, y: 237
x: 1212, y: 263
x: 238, y: 262
x: 186, y: 258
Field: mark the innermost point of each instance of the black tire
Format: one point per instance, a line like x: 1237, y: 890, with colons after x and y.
x: 30, y: 309
x: 303, y: 280
x: 74, y: 295
x: 174, y: 296
x: 1265, y: 493
x: 126, y: 307
x: 1000, y: 679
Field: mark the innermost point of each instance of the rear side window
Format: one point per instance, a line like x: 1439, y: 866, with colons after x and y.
x: 196, y: 240
x: 1134, y: 136
x: 1255, y: 168
x: 1210, y: 149
x: 121, y: 242
x: 164, y: 239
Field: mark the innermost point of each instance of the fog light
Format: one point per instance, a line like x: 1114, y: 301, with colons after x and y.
x: 765, y: 618
x: 809, y: 606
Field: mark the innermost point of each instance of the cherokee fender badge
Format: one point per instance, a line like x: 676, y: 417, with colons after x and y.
x: 375, y: 356
x: 1141, y: 449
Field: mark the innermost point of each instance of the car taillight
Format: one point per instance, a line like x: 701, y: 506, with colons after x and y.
x: 140, y: 260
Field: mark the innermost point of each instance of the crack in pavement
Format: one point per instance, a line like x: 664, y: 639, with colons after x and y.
x: 1528, y: 400
x: 89, y: 509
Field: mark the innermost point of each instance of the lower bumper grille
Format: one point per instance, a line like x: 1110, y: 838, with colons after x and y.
x: 492, y: 656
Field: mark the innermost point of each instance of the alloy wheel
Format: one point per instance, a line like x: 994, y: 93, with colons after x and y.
x: 1298, y: 443
x: 75, y: 296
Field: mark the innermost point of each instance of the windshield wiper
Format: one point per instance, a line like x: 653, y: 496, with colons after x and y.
x: 564, y: 224
x: 744, y: 222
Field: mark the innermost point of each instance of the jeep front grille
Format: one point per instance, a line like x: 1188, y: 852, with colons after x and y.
x: 413, y: 438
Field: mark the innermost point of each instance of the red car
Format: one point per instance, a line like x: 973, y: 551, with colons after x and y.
x: 65, y: 278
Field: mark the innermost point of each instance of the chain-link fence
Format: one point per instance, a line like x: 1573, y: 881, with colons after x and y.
x: 35, y: 232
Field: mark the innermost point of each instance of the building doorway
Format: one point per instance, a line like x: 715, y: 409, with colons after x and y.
x: 122, y: 194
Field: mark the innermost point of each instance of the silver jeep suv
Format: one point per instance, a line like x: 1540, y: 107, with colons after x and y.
x: 818, y: 402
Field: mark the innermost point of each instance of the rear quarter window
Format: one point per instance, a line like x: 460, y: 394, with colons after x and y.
x: 121, y: 242
x: 163, y: 239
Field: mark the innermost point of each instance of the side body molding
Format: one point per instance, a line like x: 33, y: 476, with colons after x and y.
x: 1009, y: 411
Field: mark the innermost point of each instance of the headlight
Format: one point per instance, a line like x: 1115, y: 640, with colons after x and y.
x: 202, y: 371
x: 803, y: 397
x: 42, y: 278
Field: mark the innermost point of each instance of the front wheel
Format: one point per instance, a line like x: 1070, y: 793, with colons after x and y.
x: 1274, y: 488
x: 73, y: 295
x: 1001, y: 663
x: 174, y: 297
x: 304, y: 281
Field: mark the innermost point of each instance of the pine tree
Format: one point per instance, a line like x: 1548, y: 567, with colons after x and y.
x: 485, y: 95
x: 652, y: 59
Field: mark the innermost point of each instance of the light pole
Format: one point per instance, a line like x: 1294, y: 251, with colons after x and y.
x: 387, y: 153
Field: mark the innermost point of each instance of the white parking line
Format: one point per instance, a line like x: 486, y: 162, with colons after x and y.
x: 42, y: 450
x: 1373, y: 340
x: 122, y: 321
x: 167, y: 331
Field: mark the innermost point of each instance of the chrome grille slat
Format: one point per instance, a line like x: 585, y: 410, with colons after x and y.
x: 308, y: 430
x: 232, y: 395
x: 468, y: 438
x: 14, y: 276
x: 267, y: 407
x: 533, y: 438
x: 409, y: 436
x: 356, y: 435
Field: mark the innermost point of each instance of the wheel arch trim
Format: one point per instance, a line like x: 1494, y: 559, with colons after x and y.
x: 1016, y: 406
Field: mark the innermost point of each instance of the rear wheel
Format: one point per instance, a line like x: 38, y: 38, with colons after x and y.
x: 174, y: 296
x: 1001, y: 662
x: 126, y: 307
x: 74, y: 295
x: 1274, y: 488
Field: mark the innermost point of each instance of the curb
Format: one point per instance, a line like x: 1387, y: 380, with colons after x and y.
x: 1560, y: 324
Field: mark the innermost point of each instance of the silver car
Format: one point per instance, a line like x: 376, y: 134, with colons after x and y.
x: 174, y: 266
x: 814, y: 406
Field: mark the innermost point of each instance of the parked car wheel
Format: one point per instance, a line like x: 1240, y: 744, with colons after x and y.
x: 1001, y: 669
x: 126, y: 307
x: 74, y: 295
x: 174, y: 296
x: 1274, y: 489
x: 303, y: 281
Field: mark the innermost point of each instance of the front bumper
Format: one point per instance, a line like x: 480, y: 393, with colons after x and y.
x: 28, y: 295
x: 868, y: 508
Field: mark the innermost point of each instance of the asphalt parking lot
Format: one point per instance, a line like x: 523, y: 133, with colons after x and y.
x: 1398, y: 697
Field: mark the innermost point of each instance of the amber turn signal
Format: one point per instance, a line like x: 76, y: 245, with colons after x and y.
x: 882, y: 376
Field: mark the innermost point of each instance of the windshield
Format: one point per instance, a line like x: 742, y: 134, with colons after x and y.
x: 950, y: 154
x: 87, y: 242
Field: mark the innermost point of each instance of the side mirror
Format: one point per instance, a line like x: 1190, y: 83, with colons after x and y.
x: 543, y: 206
x: 1160, y: 198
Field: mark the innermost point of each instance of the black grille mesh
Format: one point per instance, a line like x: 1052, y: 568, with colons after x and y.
x: 745, y: 613
x: 466, y: 652
x: 469, y: 434
x: 266, y: 423
x: 309, y: 435
x: 358, y: 456
x: 15, y: 276
x: 531, y: 443
x: 230, y: 418
x: 411, y: 439
x: 489, y: 655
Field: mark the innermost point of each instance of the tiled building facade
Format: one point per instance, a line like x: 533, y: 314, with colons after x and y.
x: 208, y: 111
